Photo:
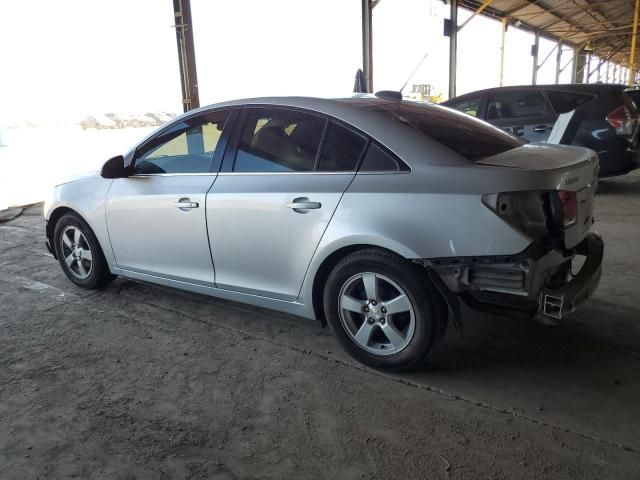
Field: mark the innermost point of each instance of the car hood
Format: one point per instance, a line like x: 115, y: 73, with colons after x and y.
x: 79, y: 177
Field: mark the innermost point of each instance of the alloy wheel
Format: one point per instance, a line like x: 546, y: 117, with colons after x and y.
x: 376, y: 313
x: 76, y: 252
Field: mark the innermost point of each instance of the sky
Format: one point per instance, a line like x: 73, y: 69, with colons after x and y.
x: 70, y: 59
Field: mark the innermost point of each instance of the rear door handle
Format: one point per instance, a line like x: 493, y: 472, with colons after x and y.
x: 542, y: 128
x: 303, y: 204
x: 185, y: 204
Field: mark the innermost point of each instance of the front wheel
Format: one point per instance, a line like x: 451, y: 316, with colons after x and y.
x: 79, y: 253
x: 383, y: 312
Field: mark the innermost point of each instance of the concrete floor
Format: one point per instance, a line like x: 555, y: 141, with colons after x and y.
x: 139, y: 381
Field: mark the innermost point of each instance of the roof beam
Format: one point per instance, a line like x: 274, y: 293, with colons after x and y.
x: 476, y: 12
x: 604, y: 23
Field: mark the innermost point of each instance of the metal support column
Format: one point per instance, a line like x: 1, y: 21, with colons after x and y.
x: 534, y: 53
x: 367, y: 43
x: 502, y: 45
x: 186, y: 54
x: 558, y: 61
x: 632, y: 65
x: 606, y: 75
x: 579, y: 65
x: 453, y: 47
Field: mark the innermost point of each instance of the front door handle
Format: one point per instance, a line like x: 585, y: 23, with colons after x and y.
x: 185, y: 204
x: 303, y: 205
x: 542, y: 128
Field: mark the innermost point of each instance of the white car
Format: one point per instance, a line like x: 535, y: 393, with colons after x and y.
x: 373, y: 214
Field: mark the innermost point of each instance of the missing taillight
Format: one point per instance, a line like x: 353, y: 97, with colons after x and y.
x: 569, y: 202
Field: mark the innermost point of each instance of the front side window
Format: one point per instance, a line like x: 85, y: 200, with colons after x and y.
x: 278, y: 140
x: 341, y: 150
x: 187, y: 148
x: 470, y: 106
x: 516, y: 104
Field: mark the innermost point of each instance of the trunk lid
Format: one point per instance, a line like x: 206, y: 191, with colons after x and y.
x: 564, y: 168
x: 572, y: 168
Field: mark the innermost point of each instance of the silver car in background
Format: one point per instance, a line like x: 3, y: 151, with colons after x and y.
x: 375, y: 215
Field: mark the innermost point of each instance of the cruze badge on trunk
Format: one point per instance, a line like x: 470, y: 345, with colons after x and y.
x: 571, y: 181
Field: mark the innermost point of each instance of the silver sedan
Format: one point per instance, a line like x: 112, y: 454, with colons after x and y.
x: 372, y: 214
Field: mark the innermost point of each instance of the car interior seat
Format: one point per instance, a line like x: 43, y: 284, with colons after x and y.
x: 505, y: 110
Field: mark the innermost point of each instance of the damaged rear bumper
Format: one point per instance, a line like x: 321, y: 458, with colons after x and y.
x: 520, y: 283
x: 560, y: 301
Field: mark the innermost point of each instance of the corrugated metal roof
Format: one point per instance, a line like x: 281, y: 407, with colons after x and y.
x: 605, y: 26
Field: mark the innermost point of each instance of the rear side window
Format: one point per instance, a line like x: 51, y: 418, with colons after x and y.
x: 341, y: 150
x: 465, y: 135
x: 279, y: 140
x: 378, y: 160
x: 470, y: 106
x: 516, y: 104
x: 563, y: 102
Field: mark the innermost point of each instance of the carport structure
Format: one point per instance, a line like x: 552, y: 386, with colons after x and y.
x: 605, y: 30
x: 602, y: 30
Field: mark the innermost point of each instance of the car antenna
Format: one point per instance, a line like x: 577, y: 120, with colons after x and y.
x: 415, y: 70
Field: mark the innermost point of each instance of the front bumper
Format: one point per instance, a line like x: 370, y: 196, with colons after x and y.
x: 560, y: 301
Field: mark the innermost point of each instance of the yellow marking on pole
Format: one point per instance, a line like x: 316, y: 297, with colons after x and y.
x: 632, y: 64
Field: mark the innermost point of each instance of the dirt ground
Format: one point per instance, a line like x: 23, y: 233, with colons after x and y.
x: 139, y: 381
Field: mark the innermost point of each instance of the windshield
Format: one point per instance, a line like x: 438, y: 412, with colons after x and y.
x: 471, y: 138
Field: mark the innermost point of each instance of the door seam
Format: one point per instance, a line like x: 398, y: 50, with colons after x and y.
x: 306, y: 272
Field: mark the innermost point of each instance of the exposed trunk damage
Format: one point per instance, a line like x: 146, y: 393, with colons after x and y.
x: 557, y: 218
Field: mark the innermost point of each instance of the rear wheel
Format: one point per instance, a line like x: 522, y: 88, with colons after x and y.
x: 382, y: 310
x: 79, y: 253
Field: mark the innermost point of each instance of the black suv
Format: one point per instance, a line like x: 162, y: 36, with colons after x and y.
x: 601, y: 117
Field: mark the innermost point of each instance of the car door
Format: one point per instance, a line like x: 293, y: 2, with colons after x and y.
x: 156, y: 217
x: 278, y: 190
x: 521, y: 112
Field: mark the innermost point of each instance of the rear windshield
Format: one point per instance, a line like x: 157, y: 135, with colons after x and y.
x: 564, y: 102
x: 471, y: 138
x: 634, y: 95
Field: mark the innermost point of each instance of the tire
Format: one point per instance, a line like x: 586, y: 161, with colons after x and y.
x: 396, y: 335
x: 79, y: 253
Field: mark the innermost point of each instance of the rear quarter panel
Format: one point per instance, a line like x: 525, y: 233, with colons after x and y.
x: 433, y: 211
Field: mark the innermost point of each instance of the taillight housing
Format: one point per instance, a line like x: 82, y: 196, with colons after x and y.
x: 622, y: 120
x: 569, y: 202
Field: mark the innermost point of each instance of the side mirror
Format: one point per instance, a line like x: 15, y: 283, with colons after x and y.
x: 114, y: 168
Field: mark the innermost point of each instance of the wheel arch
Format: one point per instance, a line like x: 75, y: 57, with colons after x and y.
x: 50, y: 225
x: 55, y: 215
x: 327, y: 265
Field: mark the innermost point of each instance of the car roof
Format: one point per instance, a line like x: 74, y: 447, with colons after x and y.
x: 595, y: 88
x: 351, y: 110
x: 320, y: 104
